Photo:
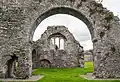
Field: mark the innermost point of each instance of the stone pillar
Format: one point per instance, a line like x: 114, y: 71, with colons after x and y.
x: 59, y: 42
x: 24, y: 68
x: 54, y: 41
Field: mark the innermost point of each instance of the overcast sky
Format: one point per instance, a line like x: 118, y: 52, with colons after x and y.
x: 75, y: 26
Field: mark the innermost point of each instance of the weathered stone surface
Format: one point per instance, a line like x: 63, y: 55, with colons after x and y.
x: 69, y: 56
x: 20, y: 18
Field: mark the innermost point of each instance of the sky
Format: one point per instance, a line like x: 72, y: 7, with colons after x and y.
x: 75, y: 26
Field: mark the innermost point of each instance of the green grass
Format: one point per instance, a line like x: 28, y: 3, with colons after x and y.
x: 66, y: 74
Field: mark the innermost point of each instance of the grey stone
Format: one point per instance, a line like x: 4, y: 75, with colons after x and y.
x: 45, y: 53
x: 20, y: 18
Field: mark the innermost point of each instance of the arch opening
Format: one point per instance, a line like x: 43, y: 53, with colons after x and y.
x: 61, y: 10
x: 12, y: 65
x: 57, y: 41
x: 45, y: 63
x: 34, y: 56
x: 80, y: 30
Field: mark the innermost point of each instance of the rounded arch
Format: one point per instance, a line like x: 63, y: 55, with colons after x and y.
x: 61, y: 40
x: 61, y: 10
x: 103, y: 26
x: 57, y: 34
x: 45, y: 63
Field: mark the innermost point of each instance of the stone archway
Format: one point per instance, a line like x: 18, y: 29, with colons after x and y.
x: 21, y: 18
x: 45, y: 63
x: 98, y: 21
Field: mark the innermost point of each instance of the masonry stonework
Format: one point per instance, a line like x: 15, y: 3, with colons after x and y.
x: 20, y: 18
x: 53, y: 53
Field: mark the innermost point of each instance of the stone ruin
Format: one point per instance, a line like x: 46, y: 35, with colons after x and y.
x: 57, y: 47
x: 20, y: 18
x: 88, y: 55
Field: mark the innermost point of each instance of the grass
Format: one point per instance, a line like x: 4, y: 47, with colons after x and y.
x: 66, y: 74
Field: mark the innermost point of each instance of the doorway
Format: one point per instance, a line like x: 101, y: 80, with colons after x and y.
x: 11, y: 65
x: 45, y: 63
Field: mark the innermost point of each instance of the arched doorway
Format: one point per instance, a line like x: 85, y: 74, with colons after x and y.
x: 64, y: 10
x: 98, y: 29
x: 34, y: 56
x: 61, y: 10
x: 12, y: 64
x: 45, y: 63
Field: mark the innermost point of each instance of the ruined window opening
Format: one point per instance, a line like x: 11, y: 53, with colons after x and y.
x: 62, y: 44
x: 57, y: 42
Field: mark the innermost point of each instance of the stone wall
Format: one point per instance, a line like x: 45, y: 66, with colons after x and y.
x: 70, y: 56
x: 20, y: 18
x: 13, y: 38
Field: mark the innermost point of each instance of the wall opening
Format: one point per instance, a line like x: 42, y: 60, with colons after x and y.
x: 34, y: 56
x: 76, y: 26
x: 45, y: 63
x: 62, y: 42
x: 54, y: 12
x: 57, y: 41
x: 12, y: 64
